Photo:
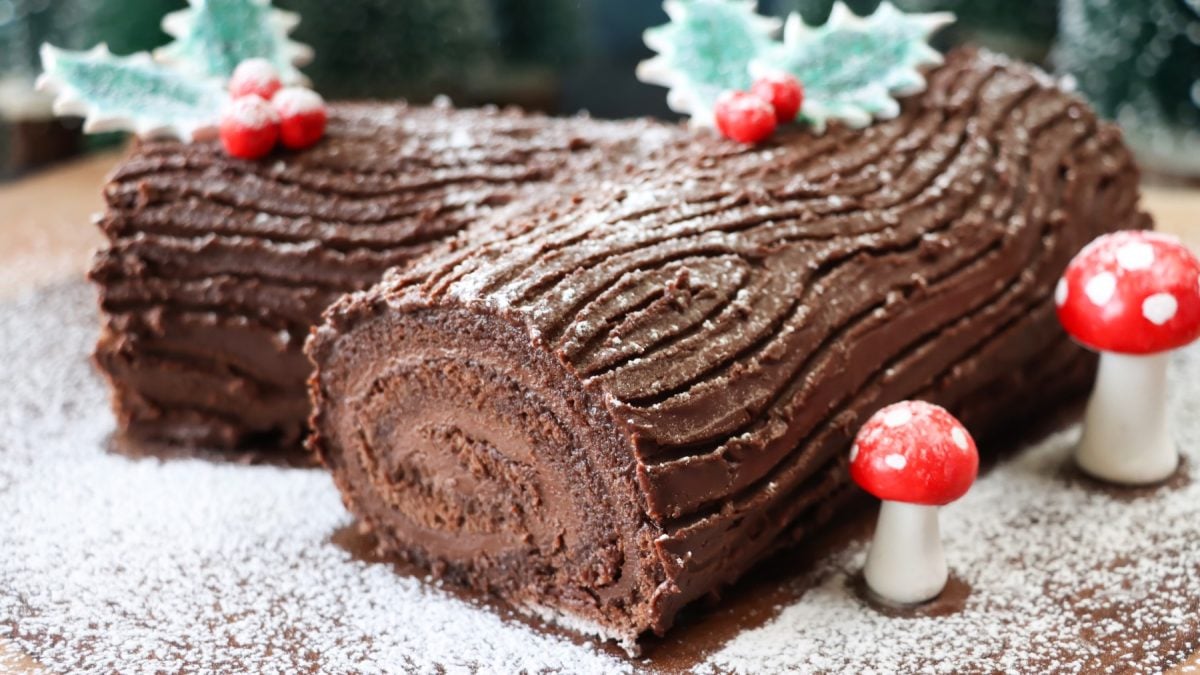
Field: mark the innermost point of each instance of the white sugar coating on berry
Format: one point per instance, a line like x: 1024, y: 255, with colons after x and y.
x: 959, y: 437
x: 256, y: 71
x: 1100, y: 288
x: 754, y: 102
x: 896, y: 462
x: 728, y: 96
x: 109, y: 564
x: 1136, y: 255
x: 250, y: 112
x: 1061, y: 292
x: 897, y: 416
x: 1160, y: 308
x: 297, y: 101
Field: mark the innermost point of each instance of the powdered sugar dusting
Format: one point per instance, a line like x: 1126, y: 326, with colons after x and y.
x: 117, y: 565
x: 1065, y: 578
x: 113, y: 564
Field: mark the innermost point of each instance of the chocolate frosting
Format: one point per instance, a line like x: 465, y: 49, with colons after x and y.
x: 605, y: 406
x: 216, y: 267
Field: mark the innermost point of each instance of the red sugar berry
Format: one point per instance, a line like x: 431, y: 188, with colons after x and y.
x: 249, y: 127
x: 783, y: 92
x: 255, y: 76
x: 744, y: 117
x: 303, y: 116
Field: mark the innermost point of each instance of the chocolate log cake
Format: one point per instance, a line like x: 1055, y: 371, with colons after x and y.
x: 608, y: 410
x: 217, y: 267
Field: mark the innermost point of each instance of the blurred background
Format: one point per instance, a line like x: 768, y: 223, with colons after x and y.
x: 1138, y: 61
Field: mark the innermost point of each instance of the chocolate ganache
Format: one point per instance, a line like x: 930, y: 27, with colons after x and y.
x: 605, y: 410
x: 217, y: 267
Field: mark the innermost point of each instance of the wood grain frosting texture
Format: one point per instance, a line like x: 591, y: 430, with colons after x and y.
x: 216, y: 267
x: 607, y: 410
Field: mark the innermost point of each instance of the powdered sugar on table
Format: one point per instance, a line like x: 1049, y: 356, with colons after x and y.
x: 109, y: 563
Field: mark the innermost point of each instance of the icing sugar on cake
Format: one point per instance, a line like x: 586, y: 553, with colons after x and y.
x: 111, y: 563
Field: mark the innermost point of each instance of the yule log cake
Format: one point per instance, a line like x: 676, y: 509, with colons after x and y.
x: 217, y: 267
x: 604, y: 411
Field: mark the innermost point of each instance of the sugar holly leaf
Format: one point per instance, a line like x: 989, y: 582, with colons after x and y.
x: 852, y: 68
x: 213, y: 36
x: 706, y: 48
x: 130, y: 93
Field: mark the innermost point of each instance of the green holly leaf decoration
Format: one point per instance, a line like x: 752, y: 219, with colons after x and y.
x: 852, y: 68
x: 706, y: 48
x: 213, y: 36
x: 130, y: 93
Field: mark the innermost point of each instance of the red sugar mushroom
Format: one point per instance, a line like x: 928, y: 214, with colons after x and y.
x: 915, y: 457
x: 1133, y: 296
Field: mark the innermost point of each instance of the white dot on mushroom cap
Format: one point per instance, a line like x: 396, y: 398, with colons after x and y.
x: 1100, y: 288
x: 959, y: 437
x: 854, y: 452
x: 1135, y: 256
x: 1159, y: 308
x: 1061, y: 292
x: 897, y: 417
x: 895, y: 461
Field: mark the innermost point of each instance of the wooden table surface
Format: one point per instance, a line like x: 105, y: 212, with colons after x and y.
x: 46, y: 235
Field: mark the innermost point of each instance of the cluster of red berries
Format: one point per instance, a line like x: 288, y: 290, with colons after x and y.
x: 751, y: 116
x: 264, y: 113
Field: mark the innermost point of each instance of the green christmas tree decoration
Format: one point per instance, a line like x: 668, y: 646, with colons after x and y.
x: 130, y: 93
x: 539, y: 32
x: 706, y: 48
x: 1138, y: 62
x: 852, y: 67
x: 405, y: 48
x: 213, y: 36
x: 126, y: 26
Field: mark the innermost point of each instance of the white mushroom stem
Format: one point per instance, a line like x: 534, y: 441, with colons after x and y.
x: 1125, y: 435
x: 906, y: 565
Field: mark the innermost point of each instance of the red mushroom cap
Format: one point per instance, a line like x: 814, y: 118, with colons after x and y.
x: 914, y: 452
x: 1131, y: 292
